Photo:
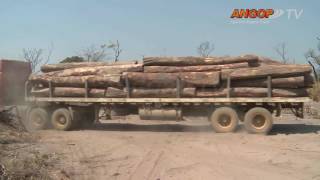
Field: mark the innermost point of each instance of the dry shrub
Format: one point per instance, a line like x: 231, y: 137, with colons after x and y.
x: 10, y: 118
x: 19, y: 158
x: 33, y: 166
x: 315, y: 92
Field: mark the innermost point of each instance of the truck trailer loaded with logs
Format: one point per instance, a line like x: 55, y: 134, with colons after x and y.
x: 228, y: 90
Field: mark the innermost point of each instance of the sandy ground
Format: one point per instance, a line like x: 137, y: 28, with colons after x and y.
x: 135, y: 149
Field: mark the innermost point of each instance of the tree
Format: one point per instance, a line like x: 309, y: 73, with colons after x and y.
x: 281, y: 50
x: 94, y: 54
x: 312, y: 54
x: 36, y: 57
x: 314, y: 60
x: 205, y: 49
x: 116, y: 49
x: 73, y: 59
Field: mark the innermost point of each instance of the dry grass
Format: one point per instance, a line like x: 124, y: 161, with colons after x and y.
x: 315, y: 92
x: 18, y: 165
x: 19, y: 156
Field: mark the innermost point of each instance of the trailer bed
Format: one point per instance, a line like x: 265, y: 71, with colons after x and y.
x: 170, y: 100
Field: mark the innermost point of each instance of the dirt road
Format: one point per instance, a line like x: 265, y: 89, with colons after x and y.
x: 131, y: 149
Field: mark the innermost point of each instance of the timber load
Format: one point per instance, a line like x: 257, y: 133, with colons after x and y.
x: 173, y: 77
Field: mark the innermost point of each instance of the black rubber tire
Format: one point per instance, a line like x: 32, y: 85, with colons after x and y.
x: 38, y: 119
x: 224, y: 112
x: 59, y: 115
x: 258, y: 120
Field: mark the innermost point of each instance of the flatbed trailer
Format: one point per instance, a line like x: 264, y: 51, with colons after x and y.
x: 224, y: 113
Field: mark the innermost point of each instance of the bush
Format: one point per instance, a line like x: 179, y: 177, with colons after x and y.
x: 72, y: 59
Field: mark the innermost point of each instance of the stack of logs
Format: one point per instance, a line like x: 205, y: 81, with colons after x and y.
x: 169, y: 77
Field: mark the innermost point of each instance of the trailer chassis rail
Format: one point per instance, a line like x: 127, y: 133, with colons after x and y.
x: 170, y: 100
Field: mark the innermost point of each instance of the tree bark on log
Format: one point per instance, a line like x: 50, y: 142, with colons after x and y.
x: 200, y: 68
x: 114, y: 92
x: 161, y: 93
x: 267, y: 61
x: 111, y: 80
x: 99, y: 70
x: 274, y: 71
x: 169, y: 80
x: 308, y: 80
x: 62, y: 66
x: 291, y: 82
x: 251, y: 92
x: 193, y: 61
x: 79, y: 92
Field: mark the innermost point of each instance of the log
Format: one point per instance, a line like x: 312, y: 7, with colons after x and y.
x: 193, y: 61
x: 111, y: 80
x: 79, y: 92
x: 62, y: 66
x: 200, y: 68
x: 114, y: 92
x: 291, y: 82
x: 161, y: 93
x: 251, y: 92
x: 308, y: 80
x: 274, y: 71
x: 99, y: 70
x: 267, y: 61
x: 168, y: 80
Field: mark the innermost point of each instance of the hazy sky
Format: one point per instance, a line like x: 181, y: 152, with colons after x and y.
x: 153, y: 28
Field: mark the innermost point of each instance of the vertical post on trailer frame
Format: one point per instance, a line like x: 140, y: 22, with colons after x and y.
x: 269, y: 84
x: 228, y: 87
x: 127, y: 86
x: 178, y: 87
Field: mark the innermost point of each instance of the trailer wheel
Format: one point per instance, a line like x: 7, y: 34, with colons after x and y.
x: 258, y: 120
x: 224, y: 119
x: 61, y: 119
x: 38, y: 119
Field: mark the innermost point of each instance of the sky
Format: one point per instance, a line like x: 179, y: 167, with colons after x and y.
x: 155, y: 28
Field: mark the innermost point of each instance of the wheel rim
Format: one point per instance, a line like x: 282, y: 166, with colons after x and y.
x: 259, y: 121
x: 62, y: 120
x: 38, y: 120
x: 225, y: 121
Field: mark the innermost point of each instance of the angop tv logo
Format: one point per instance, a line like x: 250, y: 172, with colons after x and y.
x: 263, y: 16
x: 252, y: 13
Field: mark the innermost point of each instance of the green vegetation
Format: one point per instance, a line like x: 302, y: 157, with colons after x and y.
x: 73, y: 59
